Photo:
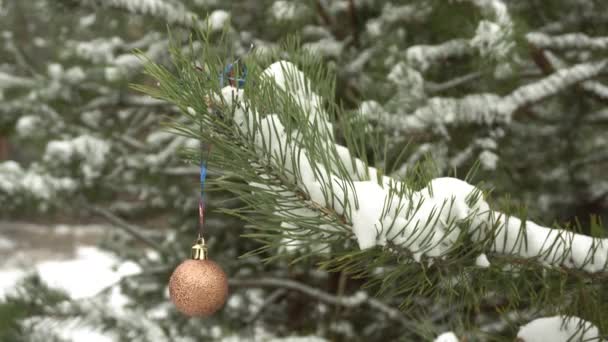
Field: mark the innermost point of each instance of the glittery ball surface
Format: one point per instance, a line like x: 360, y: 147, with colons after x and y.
x: 198, y: 287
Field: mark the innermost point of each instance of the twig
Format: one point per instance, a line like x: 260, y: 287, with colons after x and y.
x: 544, y: 64
x: 271, y: 299
x: 21, y: 59
x: 181, y: 171
x: 354, y: 21
x: 355, y: 300
x: 437, y: 87
x: 115, y: 99
x: 133, y: 230
x: 507, y: 319
x: 323, y: 13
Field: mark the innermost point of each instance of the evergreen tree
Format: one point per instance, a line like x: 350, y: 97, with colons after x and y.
x: 334, y: 161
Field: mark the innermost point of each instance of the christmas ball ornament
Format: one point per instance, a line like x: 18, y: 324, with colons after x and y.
x: 199, y: 286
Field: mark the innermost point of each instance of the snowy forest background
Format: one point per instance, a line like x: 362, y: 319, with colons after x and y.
x: 98, y: 202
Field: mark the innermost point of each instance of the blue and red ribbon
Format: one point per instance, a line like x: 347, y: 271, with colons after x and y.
x: 229, y: 74
x: 201, y: 202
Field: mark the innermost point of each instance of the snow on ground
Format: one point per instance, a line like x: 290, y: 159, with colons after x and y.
x: 85, y: 272
x: 80, y: 333
x: 91, y: 271
x: 8, y: 279
x: 65, y: 258
x: 67, y: 331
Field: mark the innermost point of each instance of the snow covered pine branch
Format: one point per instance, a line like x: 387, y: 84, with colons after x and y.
x: 488, y: 108
x: 427, y: 222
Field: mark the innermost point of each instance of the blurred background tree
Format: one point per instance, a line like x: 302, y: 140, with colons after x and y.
x: 442, y: 79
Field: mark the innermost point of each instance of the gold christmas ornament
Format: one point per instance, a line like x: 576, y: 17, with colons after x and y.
x: 199, y: 286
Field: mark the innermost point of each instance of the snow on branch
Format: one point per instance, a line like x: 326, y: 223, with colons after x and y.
x: 595, y: 88
x: 492, y: 39
x: 128, y: 63
x: 89, y: 152
x: 497, y: 8
x: 558, y: 329
x: 10, y: 81
x: 447, y: 337
x: 164, y: 10
x: 558, y: 81
x: 14, y: 180
x: 567, y: 41
x: 392, y: 13
x: 423, y: 56
x: 488, y: 108
x: 99, y: 50
x: 427, y: 222
x: 554, y: 329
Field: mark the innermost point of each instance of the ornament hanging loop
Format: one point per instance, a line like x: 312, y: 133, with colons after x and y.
x: 199, y: 250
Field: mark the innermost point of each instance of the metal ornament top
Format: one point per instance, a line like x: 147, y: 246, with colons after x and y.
x: 199, y: 250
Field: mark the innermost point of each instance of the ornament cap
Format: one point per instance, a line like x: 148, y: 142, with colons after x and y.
x: 199, y: 249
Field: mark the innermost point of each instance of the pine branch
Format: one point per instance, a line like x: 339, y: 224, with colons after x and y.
x: 488, y: 108
x: 567, y: 41
x: 443, y: 199
x: 382, y: 210
x: 492, y: 39
x: 423, y: 56
x: 300, y: 183
x: 556, y: 82
x: 549, y: 62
